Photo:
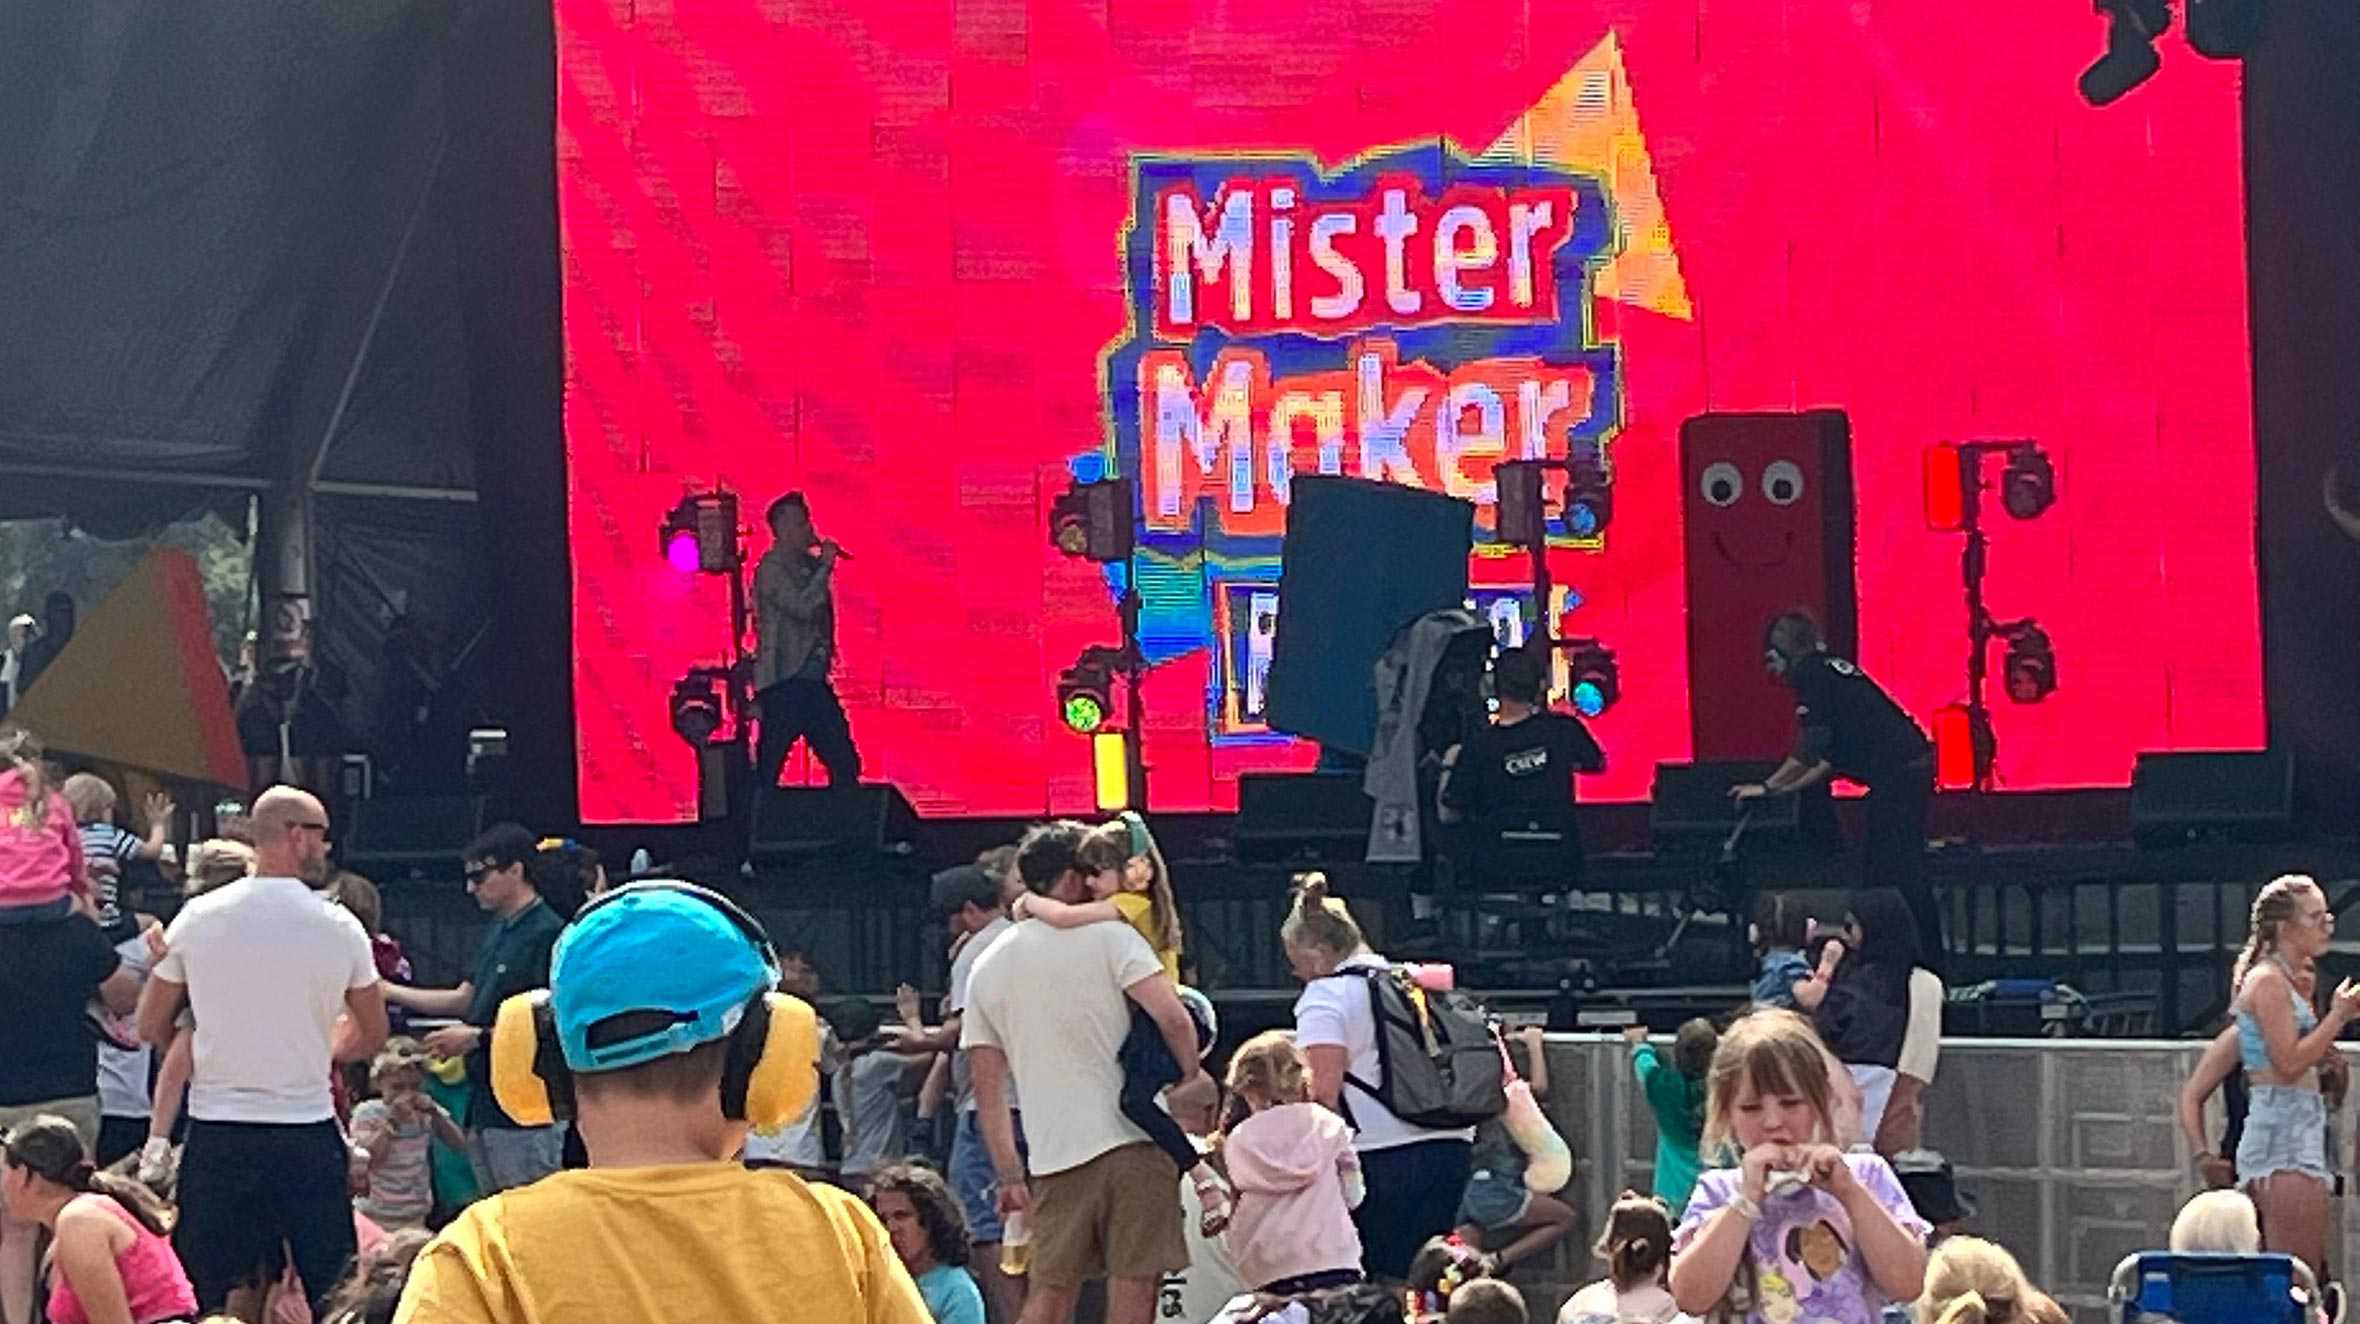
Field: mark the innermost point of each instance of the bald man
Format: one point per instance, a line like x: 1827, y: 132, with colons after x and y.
x: 275, y: 965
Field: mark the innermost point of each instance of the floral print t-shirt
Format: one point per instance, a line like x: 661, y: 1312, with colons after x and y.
x: 1806, y: 1268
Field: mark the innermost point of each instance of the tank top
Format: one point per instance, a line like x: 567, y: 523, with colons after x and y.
x: 2252, y: 1052
x: 153, y: 1281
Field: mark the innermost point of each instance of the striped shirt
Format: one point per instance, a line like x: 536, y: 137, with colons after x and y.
x: 108, y: 851
x: 401, y: 1178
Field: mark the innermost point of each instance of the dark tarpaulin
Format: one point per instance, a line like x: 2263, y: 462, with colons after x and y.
x: 198, y: 208
x: 228, y: 235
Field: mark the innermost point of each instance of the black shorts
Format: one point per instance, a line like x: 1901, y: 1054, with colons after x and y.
x: 251, y: 1192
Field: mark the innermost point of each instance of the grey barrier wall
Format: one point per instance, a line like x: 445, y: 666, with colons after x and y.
x: 2067, y: 1146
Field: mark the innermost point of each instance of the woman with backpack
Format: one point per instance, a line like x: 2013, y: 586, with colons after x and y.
x: 1414, y: 1174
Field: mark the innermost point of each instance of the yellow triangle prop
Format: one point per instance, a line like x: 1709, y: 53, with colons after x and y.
x: 1589, y: 123
x: 139, y: 684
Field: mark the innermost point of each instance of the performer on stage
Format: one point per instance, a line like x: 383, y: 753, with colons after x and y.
x: 1852, y: 729
x: 794, y: 598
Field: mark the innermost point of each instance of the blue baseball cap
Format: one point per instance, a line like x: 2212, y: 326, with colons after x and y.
x: 651, y: 948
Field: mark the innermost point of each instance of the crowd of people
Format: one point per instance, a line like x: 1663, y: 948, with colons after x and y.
x: 255, y: 1111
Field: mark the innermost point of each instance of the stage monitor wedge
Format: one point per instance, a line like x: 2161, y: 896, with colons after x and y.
x: 1361, y: 560
x: 2247, y: 795
x: 1301, y: 816
x: 1692, y: 804
x: 801, y: 820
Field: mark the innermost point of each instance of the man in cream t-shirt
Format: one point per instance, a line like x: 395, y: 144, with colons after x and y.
x: 1049, y: 1008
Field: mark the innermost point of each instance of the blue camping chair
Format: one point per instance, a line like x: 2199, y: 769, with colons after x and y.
x: 2154, y: 1287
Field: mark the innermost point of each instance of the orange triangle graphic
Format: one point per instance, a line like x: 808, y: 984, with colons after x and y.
x: 1589, y: 123
x: 139, y: 685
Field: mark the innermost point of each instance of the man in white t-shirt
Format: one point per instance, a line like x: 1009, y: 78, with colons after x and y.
x: 1050, y: 1007
x: 270, y: 964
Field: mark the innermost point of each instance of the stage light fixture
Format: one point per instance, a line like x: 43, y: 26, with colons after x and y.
x: 701, y: 534
x: 2029, y: 484
x: 1093, y: 520
x: 1594, y: 679
x: 1110, y: 771
x: 1954, y: 752
x: 1519, y: 517
x: 698, y: 712
x: 1589, y: 499
x: 2031, y: 667
x: 2224, y: 29
x: 1085, y: 690
x: 2130, y: 59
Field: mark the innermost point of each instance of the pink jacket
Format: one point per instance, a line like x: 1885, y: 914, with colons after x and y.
x: 1288, y: 1164
x: 40, y: 864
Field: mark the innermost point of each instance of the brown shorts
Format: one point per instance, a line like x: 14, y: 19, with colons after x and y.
x: 1116, y: 1216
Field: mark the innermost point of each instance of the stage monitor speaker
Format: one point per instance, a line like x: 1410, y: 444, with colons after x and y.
x: 2229, y: 794
x: 800, y: 820
x: 1301, y: 816
x: 1692, y: 804
x: 413, y: 834
x: 1361, y: 560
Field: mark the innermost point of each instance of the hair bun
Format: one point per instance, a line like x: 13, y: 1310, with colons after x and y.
x: 1311, y: 889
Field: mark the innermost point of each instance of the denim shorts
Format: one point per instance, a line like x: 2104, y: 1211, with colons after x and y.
x: 972, y: 1178
x: 1494, y: 1201
x: 2285, y: 1131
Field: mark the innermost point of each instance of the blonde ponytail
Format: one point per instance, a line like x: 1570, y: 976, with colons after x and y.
x: 1966, y: 1308
x: 22, y: 749
x: 1320, y: 920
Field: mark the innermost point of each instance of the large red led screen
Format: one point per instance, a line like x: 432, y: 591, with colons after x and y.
x: 929, y: 260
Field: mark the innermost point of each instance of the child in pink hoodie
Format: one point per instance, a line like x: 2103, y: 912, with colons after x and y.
x: 41, y: 865
x: 1296, y: 1176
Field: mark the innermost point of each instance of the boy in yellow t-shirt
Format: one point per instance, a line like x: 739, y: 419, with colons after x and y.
x: 1132, y: 886
x: 665, y: 1224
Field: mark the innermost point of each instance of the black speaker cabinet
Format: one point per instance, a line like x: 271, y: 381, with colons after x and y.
x: 1301, y: 816
x: 2221, y: 794
x: 1692, y: 804
x: 1361, y: 560
x: 804, y: 819
x: 391, y: 833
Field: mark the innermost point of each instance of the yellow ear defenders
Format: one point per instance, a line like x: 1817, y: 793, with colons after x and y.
x: 770, y: 1075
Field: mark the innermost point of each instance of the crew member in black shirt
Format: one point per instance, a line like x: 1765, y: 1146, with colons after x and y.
x: 1516, y: 775
x: 1851, y: 728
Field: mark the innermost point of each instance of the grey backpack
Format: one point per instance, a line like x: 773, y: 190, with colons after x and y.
x: 1438, y: 1063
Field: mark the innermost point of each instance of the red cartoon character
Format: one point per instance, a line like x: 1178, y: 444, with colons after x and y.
x: 1766, y: 501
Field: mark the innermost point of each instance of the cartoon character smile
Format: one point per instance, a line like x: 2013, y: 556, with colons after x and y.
x: 1786, y: 546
